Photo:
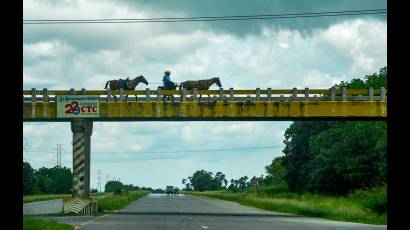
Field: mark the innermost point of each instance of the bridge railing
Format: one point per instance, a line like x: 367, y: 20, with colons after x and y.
x: 45, y: 95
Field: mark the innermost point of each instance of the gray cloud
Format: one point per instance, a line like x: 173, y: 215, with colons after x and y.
x: 273, y: 59
x: 192, y: 8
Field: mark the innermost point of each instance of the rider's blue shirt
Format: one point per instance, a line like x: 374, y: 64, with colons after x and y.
x: 166, y: 78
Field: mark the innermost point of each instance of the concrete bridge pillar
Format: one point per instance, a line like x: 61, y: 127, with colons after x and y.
x: 82, y: 130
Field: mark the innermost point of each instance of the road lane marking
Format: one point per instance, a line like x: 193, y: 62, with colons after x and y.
x: 204, y: 227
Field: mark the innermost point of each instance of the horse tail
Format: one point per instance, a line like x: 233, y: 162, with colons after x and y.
x: 180, y: 85
x: 106, y: 84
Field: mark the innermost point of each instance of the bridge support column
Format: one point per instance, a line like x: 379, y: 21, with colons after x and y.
x: 82, y: 130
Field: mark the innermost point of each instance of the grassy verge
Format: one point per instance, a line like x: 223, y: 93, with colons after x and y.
x: 115, y: 202
x: 30, y: 223
x: 34, y: 198
x: 346, y: 208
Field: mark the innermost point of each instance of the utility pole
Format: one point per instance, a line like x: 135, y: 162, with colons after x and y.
x: 58, y: 161
x: 25, y: 148
x: 99, y: 180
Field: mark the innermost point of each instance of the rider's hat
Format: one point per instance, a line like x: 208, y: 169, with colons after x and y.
x: 167, y: 71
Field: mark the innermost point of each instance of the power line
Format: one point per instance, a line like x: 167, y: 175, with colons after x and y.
x: 203, y: 18
x: 212, y: 17
x: 191, y: 151
x: 99, y: 180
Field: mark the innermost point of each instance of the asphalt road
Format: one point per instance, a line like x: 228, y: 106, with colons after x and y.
x: 43, y: 207
x: 192, y: 212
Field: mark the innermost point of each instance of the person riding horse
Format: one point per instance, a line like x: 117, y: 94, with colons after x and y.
x: 168, y: 84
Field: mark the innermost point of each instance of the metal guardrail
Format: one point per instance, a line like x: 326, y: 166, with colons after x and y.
x: 333, y: 93
x: 80, y: 206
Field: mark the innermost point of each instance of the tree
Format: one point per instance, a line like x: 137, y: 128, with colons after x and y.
x: 343, y: 156
x: 131, y: 187
x: 297, y: 155
x: 187, y: 185
x: 347, y: 156
x: 242, y: 182
x: 234, y: 186
x: 219, y: 180
x: 375, y: 80
x: 29, y: 182
x: 56, y: 180
x: 158, y: 191
x: 147, y: 189
x: 112, y: 186
x: 276, y: 171
x: 338, y: 156
x: 202, y: 180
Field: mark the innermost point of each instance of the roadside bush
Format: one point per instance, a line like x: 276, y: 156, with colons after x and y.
x: 274, y: 189
x: 118, y: 192
x: 121, y: 192
x: 374, y: 199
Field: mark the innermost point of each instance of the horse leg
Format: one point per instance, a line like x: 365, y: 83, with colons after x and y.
x: 115, y: 98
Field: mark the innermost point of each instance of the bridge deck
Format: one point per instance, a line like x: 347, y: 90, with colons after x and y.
x: 223, y: 105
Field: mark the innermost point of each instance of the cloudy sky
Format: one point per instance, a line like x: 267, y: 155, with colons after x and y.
x: 284, y: 53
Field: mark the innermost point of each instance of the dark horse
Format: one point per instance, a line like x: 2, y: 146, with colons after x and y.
x: 131, y: 84
x: 200, y: 85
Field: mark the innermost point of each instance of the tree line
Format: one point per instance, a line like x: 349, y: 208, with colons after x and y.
x: 115, y: 186
x: 56, y: 180
x: 331, y: 157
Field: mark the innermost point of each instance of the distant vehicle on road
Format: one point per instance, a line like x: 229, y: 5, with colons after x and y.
x: 169, y: 190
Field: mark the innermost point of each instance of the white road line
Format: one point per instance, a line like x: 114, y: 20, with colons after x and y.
x: 204, y: 227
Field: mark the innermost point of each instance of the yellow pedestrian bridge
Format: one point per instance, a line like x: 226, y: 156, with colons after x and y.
x: 205, y: 105
x: 83, y: 107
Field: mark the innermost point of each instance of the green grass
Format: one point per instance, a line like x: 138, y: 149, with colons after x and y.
x: 346, y: 208
x: 115, y: 202
x: 30, y: 223
x: 34, y: 198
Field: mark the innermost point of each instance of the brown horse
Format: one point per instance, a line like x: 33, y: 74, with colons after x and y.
x: 114, y: 85
x: 200, y: 85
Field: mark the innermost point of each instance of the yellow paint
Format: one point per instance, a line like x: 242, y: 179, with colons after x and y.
x: 204, y: 92
x: 214, y: 110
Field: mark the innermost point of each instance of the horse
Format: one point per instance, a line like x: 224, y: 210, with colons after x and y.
x: 200, y: 85
x: 131, y: 84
